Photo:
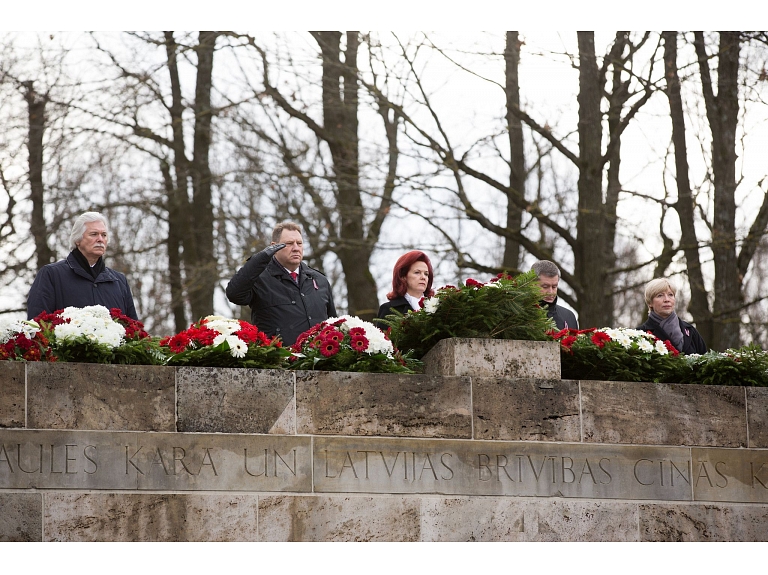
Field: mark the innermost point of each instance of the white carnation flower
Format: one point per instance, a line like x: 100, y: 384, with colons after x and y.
x: 430, y: 305
x: 10, y: 328
x: 92, y: 322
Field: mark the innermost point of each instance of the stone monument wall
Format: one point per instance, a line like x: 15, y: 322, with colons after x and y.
x: 476, y: 449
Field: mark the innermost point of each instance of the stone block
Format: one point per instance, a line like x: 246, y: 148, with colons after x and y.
x: 96, y: 396
x: 12, y: 393
x: 21, y: 517
x: 506, y: 519
x: 526, y: 409
x: 493, y: 468
x: 663, y: 414
x: 757, y: 416
x: 383, y: 404
x: 318, y: 518
x: 494, y: 357
x: 730, y: 475
x: 699, y: 522
x: 150, y: 517
x: 216, y: 399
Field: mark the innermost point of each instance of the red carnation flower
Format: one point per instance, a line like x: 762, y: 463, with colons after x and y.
x: 670, y: 348
x: 599, y: 338
x: 474, y: 283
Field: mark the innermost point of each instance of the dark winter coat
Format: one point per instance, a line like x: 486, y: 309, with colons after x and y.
x: 692, y: 340
x: 399, y: 303
x: 65, y: 283
x: 563, y: 317
x: 278, y: 305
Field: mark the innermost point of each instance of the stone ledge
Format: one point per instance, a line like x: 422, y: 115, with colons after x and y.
x: 97, y: 396
x: 12, y: 377
x: 494, y: 357
x: 383, y: 404
x: 217, y: 399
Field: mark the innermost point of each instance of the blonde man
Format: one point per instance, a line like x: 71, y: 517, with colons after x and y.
x: 663, y: 321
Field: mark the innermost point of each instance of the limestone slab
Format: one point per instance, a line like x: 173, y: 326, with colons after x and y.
x: 507, y: 519
x: 663, y: 414
x: 215, y: 399
x: 324, y: 518
x: 494, y: 357
x: 526, y: 409
x: 150, y: 517
x: 730, y: 475
x: 66, y: 459
x: 21, y: 517
x: 757, y: 415
x: 383, y: 404
x: 222, y: 462
x: 699, y: 522
x: 95, y: 396
x: 12, y: 393
x: 533, y: 469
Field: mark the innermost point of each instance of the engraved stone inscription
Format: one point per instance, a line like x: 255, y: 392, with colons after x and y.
x: 730, y: 475
x: 379, y: 465
x: 154, y: 461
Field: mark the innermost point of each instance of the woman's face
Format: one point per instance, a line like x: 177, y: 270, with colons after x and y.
x: 416, y: 279
x: 663, y: 303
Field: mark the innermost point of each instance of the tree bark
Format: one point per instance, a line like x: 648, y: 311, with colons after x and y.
x: 591, y: 270
x: 36, y: 106
x: 340, y: 119
x: 517, y: 174
x: 179, y: 213
x: 202, y: 272
x: 685, y: 205
x: 722, y: 113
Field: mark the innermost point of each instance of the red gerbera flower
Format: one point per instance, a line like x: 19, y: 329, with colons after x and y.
x: 329, y: 348
x: 356, y: 331
x: 567, y: 342
x: 474, y: 283
x: 178, y: 342
x: 334, y: 336
x: 359, y: 343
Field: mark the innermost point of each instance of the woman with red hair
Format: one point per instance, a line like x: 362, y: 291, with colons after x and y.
x: 411, y: 281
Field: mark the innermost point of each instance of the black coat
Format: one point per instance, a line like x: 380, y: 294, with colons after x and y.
x: 692, y: 340
x: 399, y: 303
x: 563, y: 317
x: 278, y: 305
x: 65, y: 283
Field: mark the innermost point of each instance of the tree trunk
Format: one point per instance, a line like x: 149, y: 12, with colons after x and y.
x: 685, y: 206
x: 340, y: 111
x: 36, y: 104
x: 179, y: 213
x: 202, y: 274
x: 722, y: 113
x: 591, y: 270
x: 517, y: 174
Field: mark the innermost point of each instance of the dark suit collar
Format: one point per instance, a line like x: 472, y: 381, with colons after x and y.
x: 105, y: 274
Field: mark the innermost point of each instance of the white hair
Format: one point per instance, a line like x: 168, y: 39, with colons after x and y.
x: 78, y: 228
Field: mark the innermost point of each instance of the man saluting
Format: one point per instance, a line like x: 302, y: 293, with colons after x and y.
x: 286, y: 296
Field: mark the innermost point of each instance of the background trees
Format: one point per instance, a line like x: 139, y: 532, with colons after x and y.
x: 638, y: 159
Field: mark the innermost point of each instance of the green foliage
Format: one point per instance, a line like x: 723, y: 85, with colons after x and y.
x: 269, y: 356
x: 505, y: 308
x: 145, y: 351
x: 350, y: 360
x: 747, y: 366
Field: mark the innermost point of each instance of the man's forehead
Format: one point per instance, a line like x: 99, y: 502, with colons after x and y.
x: 287, y: 236
x: 549, y: 279
x: 95, y: 226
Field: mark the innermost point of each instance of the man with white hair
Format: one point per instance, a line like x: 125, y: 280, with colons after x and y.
x: 81, y: 279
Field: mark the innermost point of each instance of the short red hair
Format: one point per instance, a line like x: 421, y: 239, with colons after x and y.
x: 402, y: 267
